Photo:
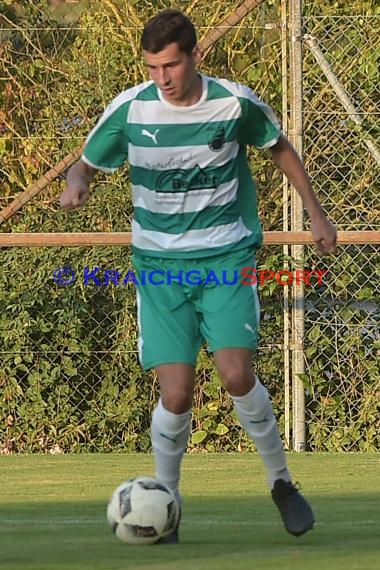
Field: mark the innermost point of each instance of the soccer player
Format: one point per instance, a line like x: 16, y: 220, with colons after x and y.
x: 184, y: 136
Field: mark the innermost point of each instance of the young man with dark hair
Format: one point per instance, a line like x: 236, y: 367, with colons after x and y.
x: 184, y: 135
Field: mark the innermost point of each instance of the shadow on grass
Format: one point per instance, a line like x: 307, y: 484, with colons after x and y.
x: 57, y: 535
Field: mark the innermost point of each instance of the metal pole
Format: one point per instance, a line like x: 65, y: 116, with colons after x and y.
x: 296, y: 137
x: 285, y: 225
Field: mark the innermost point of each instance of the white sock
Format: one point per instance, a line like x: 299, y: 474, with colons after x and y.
x: 255, y: 413
x: 169, y: 434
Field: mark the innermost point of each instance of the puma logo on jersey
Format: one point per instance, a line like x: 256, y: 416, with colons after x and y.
x: 152, y: 136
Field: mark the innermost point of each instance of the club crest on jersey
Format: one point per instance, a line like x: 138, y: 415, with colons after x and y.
x: 217, y: 142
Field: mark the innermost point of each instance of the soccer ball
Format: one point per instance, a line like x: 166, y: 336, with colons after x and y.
x: 142, y: 510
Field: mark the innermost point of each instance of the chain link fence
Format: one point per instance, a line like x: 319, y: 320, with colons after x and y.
x: 342, y: 146
x: 69, y: 373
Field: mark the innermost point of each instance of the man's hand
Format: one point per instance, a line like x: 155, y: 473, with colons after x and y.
x: 78, y: 179
x: 325, y: 235
x: 74, y: 197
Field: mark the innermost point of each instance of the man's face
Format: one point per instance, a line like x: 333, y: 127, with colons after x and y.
x: 174, y: 73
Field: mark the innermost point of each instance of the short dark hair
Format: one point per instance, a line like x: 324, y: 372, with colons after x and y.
x: 169, y: 26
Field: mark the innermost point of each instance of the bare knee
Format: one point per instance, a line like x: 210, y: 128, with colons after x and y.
x: 237, y: 381
x: 234, y: 367
x: 176, y: 385
x: 177, y: 402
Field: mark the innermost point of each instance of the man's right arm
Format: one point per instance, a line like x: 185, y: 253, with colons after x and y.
x: 79, y: 178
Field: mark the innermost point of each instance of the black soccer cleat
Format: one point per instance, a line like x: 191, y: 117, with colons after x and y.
x: 295, y: 511
x: 173, y: 537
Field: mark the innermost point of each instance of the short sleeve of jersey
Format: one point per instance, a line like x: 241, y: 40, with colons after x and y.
x: 106, y: 146
x: 258, y: 126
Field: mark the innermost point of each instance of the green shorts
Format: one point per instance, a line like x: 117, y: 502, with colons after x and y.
x: 182, y: 304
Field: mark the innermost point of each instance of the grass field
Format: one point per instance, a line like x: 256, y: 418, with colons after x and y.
x: 52, y: 514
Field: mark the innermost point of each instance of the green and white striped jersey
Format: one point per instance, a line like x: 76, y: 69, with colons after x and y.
x: 193, y: 193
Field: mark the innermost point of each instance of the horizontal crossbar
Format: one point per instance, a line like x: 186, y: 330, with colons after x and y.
x: 124, y: 238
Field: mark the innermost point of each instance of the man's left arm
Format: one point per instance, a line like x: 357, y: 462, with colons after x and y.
x: 289, y: 162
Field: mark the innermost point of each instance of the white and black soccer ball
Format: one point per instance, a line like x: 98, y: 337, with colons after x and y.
x: 142, y: 510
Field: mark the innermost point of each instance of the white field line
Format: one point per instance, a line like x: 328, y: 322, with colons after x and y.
x: 202, y: 521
